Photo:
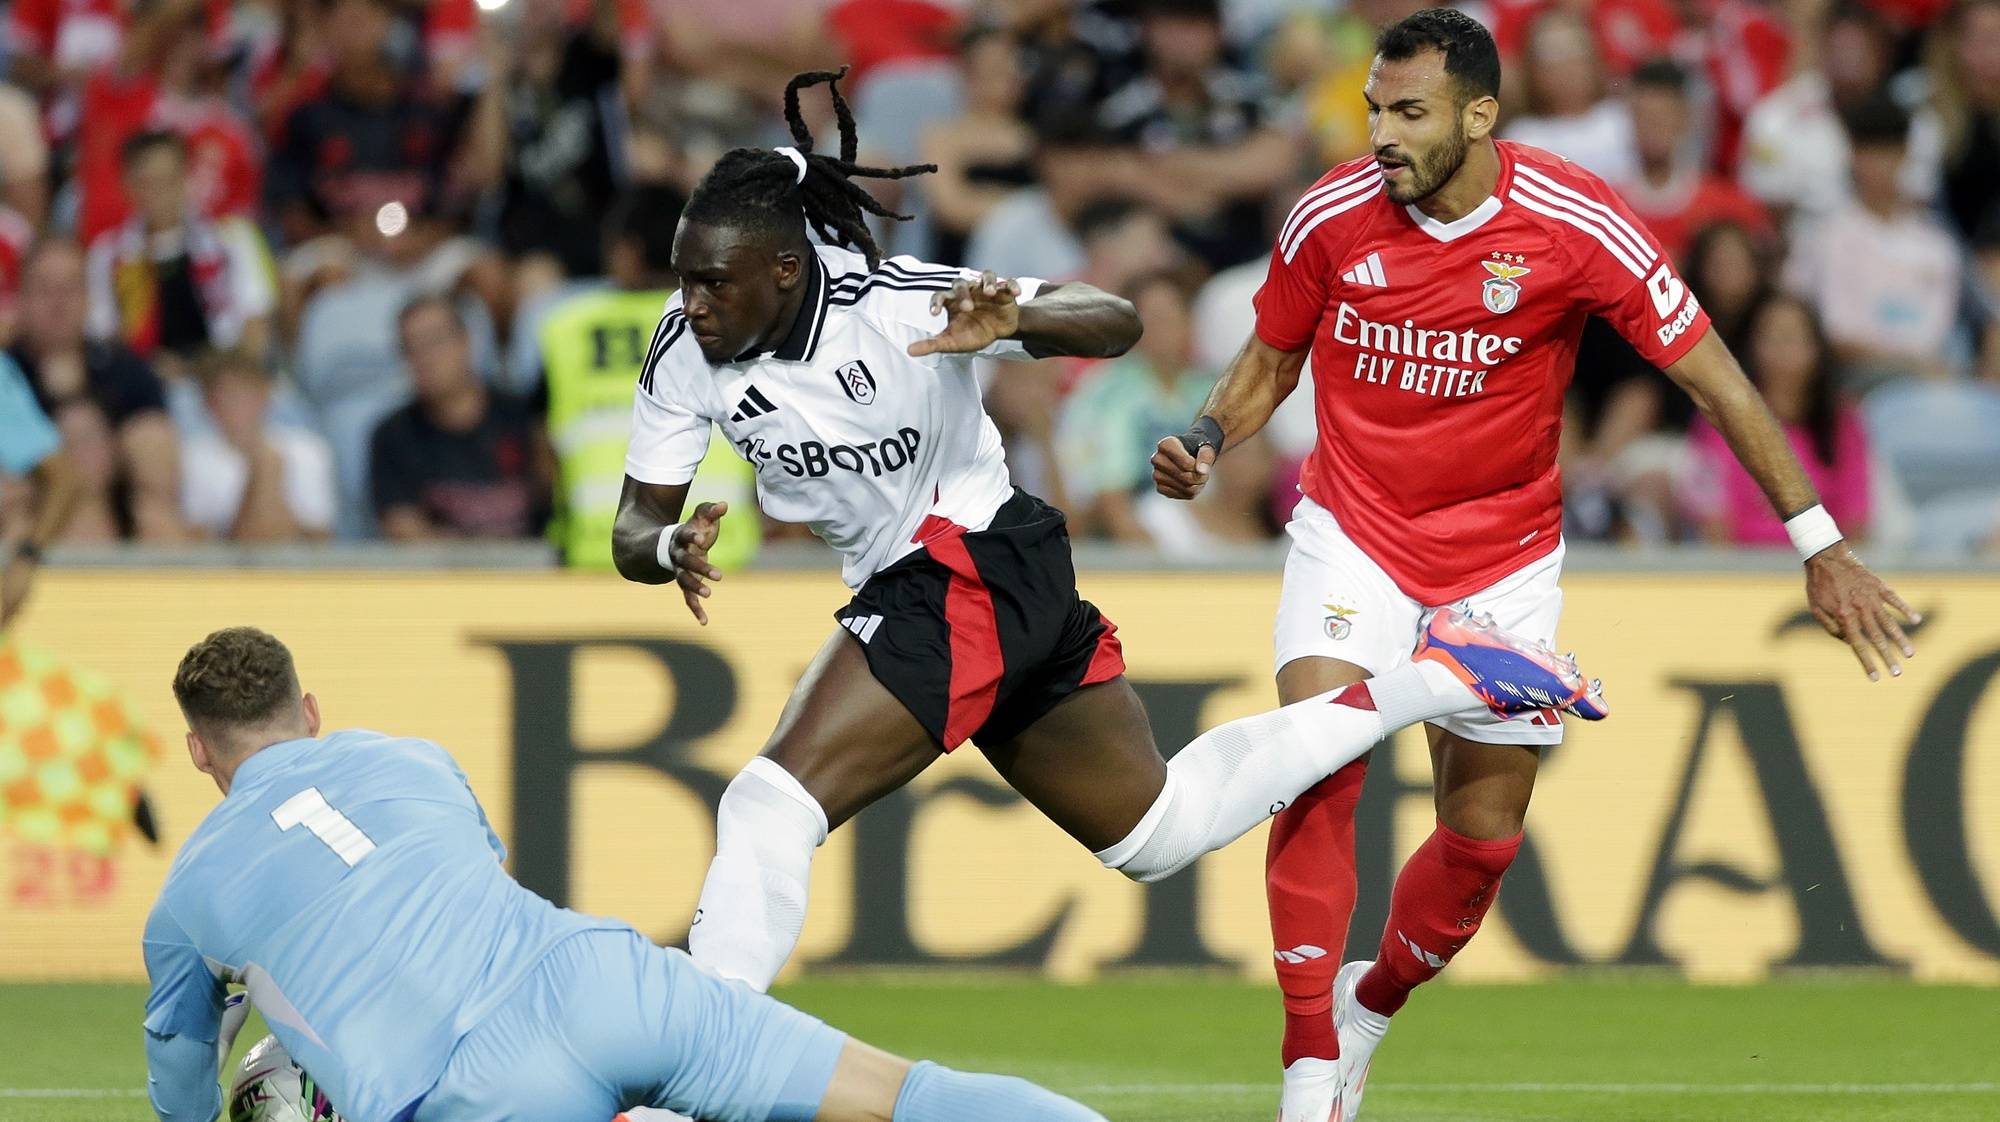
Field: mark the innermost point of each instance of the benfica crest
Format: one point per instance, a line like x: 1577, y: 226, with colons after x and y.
x: 1501, y: 290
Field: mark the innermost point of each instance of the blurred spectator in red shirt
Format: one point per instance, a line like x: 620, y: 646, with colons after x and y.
x: 1964, y: 58
x: 57, y: 44
x: 1746, y: 48
x: 1626, y: 32
x: 873, y: 33
x: 1674, y: 191
x: 1566, y: 108
x: 164, y: 79
x: 169, y: 283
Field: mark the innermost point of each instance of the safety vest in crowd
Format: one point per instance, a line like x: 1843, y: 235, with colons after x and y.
x: 593, y: 345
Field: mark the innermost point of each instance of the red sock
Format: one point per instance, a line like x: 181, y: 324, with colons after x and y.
x: 1309, y: 883
x: 1441, y: 895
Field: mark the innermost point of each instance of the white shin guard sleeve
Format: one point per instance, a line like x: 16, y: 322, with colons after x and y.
x: 1235, y: 776
x: 753, y: 904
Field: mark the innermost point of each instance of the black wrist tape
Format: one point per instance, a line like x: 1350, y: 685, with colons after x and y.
x: 1206, y: 431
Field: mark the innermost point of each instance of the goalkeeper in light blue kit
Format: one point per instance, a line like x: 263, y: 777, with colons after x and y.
x: 351, y: 883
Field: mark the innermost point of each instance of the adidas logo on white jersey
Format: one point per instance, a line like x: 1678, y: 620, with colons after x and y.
x: 862, y: 626
x: 754, y: 404
x: 1368, y: 273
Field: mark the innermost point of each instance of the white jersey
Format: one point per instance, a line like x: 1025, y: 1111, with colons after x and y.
x: 849, y: 435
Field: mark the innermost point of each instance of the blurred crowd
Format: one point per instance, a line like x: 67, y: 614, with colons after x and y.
x: 284, y: 270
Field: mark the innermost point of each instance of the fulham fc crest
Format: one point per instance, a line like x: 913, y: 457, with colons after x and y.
x: 857, y: 381
x: 1501, y: 290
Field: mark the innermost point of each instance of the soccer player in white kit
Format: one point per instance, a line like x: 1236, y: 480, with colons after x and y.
x: 1440, y: 284
x: 847, y: 382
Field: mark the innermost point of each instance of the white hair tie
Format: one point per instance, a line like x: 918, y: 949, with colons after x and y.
x: 796, y: 157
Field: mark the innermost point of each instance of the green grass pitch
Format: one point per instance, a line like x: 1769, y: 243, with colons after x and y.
x: 1175, y: 1049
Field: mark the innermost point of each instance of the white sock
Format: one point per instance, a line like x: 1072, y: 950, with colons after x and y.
x: 1236, y: 775
x: 753, y: 904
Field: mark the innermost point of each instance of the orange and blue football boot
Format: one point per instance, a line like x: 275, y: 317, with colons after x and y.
x: 1511, y: 675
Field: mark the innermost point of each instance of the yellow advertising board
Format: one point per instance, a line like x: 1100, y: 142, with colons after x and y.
x: 1753, y: 805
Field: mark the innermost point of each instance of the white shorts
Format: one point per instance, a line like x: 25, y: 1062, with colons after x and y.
x: 1338, y: 603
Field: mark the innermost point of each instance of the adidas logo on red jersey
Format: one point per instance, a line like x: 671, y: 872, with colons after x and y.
x: 1368, y: 273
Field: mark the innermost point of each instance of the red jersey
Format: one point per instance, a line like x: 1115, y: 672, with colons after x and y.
x: 1441, y: 351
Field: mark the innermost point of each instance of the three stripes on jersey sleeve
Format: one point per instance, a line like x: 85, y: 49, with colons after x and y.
x: 1543, y: 195
x: 896, y: 277
x: 1322, y: 203
x: 664, y: 337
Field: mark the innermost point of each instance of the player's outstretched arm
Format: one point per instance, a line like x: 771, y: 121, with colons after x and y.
x: 1258, y: 379
x: 1063, y: 319
x: 651, y: 546
x: 1853, y: 604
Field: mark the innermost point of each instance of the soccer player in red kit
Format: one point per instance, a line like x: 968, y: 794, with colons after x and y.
x: 1441, y: 284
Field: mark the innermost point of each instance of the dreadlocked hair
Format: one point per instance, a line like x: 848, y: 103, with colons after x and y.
x: 759, y: 188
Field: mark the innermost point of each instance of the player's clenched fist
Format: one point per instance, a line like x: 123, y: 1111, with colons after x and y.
x: 692, y: 541
x: 1179, y: 473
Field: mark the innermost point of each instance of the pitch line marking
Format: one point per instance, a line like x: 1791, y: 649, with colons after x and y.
x: 1397, y: 1088
x: 1571, y: 1088
x: 71, y: 1093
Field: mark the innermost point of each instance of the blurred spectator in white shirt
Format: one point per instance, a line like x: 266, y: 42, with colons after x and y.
x: 1568, y: 112
x: 1884, y: 277
x: 1795, y: 149
x: 248, y: 478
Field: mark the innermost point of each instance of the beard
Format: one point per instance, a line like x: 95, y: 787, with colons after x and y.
x: 1432, y: 170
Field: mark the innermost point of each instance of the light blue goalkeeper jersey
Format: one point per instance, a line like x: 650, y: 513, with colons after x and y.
x: 353, y: 885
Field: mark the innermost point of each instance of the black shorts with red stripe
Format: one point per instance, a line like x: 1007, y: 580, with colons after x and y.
x: 980, y: 632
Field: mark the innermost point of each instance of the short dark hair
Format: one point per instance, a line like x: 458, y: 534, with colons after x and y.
x: 646, y: 215
x: 1877, y: 122
x: 1470, y: 57
x: 424, y: 300
x: 238, y: 676
x: 136, y: 147
x: 1661, y: 74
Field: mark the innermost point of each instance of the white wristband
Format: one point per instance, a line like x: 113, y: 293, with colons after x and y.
x: 665, y: 550
x: 1812, y: 531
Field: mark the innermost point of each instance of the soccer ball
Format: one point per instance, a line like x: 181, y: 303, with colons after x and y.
x: 269, y: 1087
